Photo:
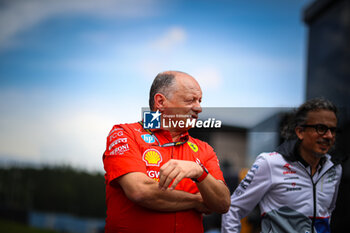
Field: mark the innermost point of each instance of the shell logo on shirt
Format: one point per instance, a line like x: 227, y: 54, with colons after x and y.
x: 193, y: 146
x: 152, y: 157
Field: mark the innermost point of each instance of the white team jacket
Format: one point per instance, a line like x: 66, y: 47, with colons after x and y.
x: 290, y: 200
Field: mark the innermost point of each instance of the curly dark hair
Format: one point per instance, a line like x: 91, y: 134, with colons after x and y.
x: 299, y: 116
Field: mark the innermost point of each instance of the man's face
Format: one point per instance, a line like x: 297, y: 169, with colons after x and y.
x: 184, y: 101
x: 312, y: 142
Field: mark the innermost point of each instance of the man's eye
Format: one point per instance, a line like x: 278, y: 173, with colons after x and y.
x: 322, y: 128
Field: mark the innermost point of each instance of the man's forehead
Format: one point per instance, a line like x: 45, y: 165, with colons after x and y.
x: 321, y: 115
x: 187, y: 84
x: 188, y: 91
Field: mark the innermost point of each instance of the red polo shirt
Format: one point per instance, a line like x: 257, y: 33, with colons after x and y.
x: 131, y: 149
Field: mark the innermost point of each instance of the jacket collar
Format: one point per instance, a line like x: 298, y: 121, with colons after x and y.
x: 290, y: 151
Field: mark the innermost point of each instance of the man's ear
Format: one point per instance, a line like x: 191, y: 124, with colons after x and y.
x: 299, y: 131
x: 159, y: 100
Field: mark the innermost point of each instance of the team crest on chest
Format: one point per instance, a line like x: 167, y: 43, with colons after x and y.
x: 193, y: 146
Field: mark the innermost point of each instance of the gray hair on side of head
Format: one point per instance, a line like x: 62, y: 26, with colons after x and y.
x: 163, y: 83
x: 299, y: 117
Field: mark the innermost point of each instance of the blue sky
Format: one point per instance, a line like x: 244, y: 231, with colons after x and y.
x: 69, y: 70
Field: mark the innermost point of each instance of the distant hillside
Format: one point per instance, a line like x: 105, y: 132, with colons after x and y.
x: 52, y: 189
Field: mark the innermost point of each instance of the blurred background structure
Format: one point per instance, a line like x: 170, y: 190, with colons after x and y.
x: 70, y: 70
x: 328, y: 75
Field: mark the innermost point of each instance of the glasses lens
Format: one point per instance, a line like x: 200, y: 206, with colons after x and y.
x: 321, y: 129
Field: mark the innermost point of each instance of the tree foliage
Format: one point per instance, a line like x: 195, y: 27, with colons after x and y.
x: 53, y: 189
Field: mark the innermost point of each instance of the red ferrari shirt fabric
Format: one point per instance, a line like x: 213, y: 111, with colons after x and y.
x: 132, y: 149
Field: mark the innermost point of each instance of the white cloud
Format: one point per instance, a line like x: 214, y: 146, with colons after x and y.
x: 172, y: 38
x: 208, y: 77
x: 18, y: 16
x: 161, y: 54
x: 150, y: 68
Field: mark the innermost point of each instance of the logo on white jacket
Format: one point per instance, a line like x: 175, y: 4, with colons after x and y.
x: 288, y: 170
x: 249, y: 177
x: 293, y: 188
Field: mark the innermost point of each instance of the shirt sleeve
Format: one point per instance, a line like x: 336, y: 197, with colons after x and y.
x: 122, y: 154
x: 247, y: 195
x: 335, y: 195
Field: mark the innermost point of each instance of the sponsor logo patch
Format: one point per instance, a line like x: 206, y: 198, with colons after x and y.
x: 147, y: 138
x: 152, y: 157
x: 249, y: 177
x: 115, y: 134
x: 120, y: 150
x: 116, y: 142
x: 116, y: 129
x: 293, y: 188
x: 193, y: 146
x: 288, y: 168
x: 291, y: 178
x: 153, y: 174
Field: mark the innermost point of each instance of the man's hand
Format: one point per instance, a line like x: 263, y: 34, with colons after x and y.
x: 215, y: 194
x: 175, y: 170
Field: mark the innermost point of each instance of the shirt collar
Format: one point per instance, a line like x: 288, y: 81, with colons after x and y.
x: 301, y: 160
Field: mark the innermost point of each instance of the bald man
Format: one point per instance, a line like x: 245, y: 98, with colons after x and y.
x: 163, y: 180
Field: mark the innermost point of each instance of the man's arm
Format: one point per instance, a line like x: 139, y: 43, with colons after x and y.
x: 215, y: 194
x: 247, y: 195
x: 144, y: 191
x: 335, y: 194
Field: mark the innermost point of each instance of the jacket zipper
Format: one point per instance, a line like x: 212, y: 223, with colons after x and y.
x: 314, y: 194
x: 314, y: 189
x: 315, y: 203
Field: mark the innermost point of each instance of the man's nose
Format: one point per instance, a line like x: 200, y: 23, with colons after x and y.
x: 329, y: 134
x: 197, y: 107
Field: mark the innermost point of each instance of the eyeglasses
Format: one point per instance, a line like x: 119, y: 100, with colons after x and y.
x: 322, y: 129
